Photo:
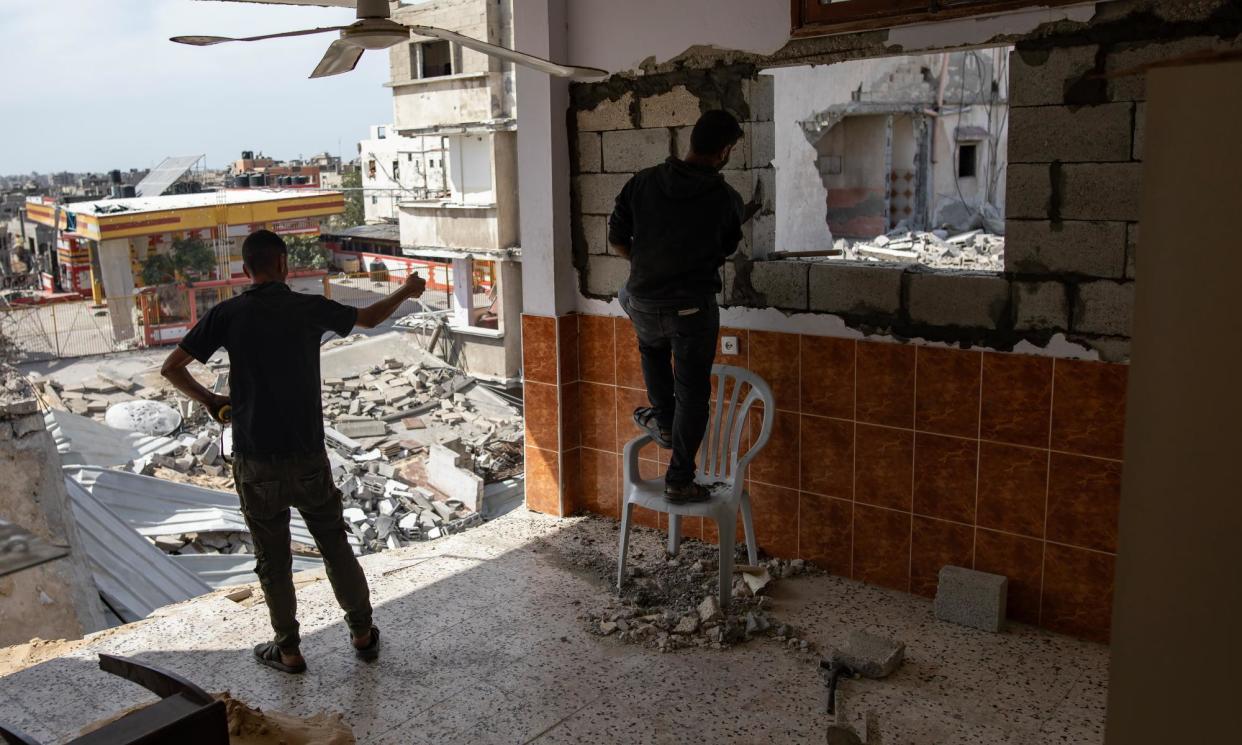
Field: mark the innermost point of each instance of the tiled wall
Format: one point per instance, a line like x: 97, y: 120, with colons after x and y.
x: 887, y: 461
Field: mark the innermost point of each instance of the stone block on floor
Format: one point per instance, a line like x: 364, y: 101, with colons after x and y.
x: 972, y: 598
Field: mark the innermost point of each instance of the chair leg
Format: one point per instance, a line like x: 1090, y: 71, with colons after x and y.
x: 674, y: 533
x: 625, y: 543
x: 748, y: 524
x: 727, y: 528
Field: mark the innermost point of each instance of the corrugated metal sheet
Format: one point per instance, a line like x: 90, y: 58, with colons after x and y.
x: 221, y: 570
x: 156, y: 507
x: 84, y: 441
x: 132, y: 575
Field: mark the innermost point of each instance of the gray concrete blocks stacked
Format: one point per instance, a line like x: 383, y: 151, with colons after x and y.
x: 847, y: 288
x: 960, y: 300
x: 971, y: 598
x: 1041, y: 134
x: 783, y: 284
x: 607, y: 115
x: 1041, y: 305
x: 1028, y: 192
x: 1089, y: 247
x: 595, y: 230
x: 590, y: 154
x: 630, y: 151
x: 1101, y: 191
x: 606, y: 275
x: 597, y: 192
x: 1104, y: 307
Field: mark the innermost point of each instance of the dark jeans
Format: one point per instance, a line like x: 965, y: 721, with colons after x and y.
x: 678, y: 345
x: 268, y: 488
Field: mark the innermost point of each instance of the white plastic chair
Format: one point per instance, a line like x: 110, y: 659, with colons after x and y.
x: 720, y: 468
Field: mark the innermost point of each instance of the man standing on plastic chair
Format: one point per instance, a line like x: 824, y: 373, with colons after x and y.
x: 677, y: 222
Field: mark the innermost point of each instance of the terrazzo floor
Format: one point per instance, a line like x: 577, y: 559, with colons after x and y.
x: 482, y: 644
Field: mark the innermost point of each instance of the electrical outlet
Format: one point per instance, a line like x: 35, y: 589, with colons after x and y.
x: 728, y: 345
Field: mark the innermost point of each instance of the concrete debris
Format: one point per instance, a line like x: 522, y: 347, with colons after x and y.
x: 670, y: 603
x: 384, y: 425
x: 973, y: 249
x: 869, y: 655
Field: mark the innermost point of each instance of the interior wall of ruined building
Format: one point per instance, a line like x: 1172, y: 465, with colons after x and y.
x: 924, y: 417
x: 55, y: 600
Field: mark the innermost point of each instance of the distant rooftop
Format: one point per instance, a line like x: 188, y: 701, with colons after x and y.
x: 104, y: 207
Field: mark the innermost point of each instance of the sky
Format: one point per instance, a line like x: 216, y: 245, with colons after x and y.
x: 92, y: 85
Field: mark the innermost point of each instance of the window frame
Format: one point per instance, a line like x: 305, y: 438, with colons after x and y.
x: 812, y: 18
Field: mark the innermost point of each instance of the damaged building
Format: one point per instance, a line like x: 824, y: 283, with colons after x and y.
x: 995, y: 502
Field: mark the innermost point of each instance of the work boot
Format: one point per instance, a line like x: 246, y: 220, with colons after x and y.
x: 685, y: 493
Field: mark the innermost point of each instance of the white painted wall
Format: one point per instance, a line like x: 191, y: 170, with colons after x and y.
x: 619, y: 35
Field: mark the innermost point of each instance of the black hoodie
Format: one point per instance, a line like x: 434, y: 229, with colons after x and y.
x: 681, y: 221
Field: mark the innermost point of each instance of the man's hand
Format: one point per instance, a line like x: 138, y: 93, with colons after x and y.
x: 216, y: 405
x: 414, y: 285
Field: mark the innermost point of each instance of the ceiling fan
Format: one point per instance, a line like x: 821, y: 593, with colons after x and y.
x: 375, y: 29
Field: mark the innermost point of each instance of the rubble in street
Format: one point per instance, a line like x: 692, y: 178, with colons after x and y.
x: 670, y: 602
x: 382, y: 426
x: 971, y: 250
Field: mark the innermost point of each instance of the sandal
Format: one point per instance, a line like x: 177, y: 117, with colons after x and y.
x: 268, y: 653
x: 645, y: 418
x: 370, y: 652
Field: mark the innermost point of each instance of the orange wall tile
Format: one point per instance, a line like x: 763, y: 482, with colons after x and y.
x: 888, y: 461
x: 539, y: 348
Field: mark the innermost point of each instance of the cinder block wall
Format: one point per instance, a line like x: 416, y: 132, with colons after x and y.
x: 892, y: 458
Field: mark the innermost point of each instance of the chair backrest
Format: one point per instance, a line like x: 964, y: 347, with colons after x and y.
x: 736, y: 391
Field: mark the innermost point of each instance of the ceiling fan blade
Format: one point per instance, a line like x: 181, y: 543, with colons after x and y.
x: 206, y: 41
x: 521, y: 58
x: 340, y: 57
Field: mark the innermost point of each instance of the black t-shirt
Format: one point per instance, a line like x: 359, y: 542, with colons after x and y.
x: 272, y: 335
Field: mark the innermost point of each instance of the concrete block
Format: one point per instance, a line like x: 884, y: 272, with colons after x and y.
x: 870, y: 655
x: 763, y: 98
x: 597, y: 192
x: 1140, y: 129
x: 1132, y: 230
x: 1041, y: 306
x: 762, y: 235
x: 971, y: 598
x: 633, y: 150
x: 1104, y: 308
x: 1137, y: 54
x: 1101, y: 191
x: 595, y: 228
x: 590, y: 156
x: 608, y: 114
x: 855, y: 288
x: 28, y: 425
x: 742, y: 180
x: 1093, y: 248
x: 1038, y: 77
x: 762, y: 137
x: 783, y: 284
x: 951, y: 299
x: 1084, y: 134
x: 606, y: 275
x: 676, y: 108
x: 444, y: 474
x: 681, y: 140
x: 1028, y: 190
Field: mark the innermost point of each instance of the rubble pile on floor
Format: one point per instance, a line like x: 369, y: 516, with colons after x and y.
x: 671, y: 602
x: 972, y: 250
x: 383, y: 428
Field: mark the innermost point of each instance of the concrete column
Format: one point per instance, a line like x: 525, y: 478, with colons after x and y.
x: 549, y: 286
x: 118, y: 282
x: 1178, y: 597
x: 463, y: 292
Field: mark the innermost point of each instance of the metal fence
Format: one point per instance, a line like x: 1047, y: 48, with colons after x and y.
x: 154, y: 318
x: 70, y: 329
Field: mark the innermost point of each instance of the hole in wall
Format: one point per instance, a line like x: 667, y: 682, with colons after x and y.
x: 893, y: 159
